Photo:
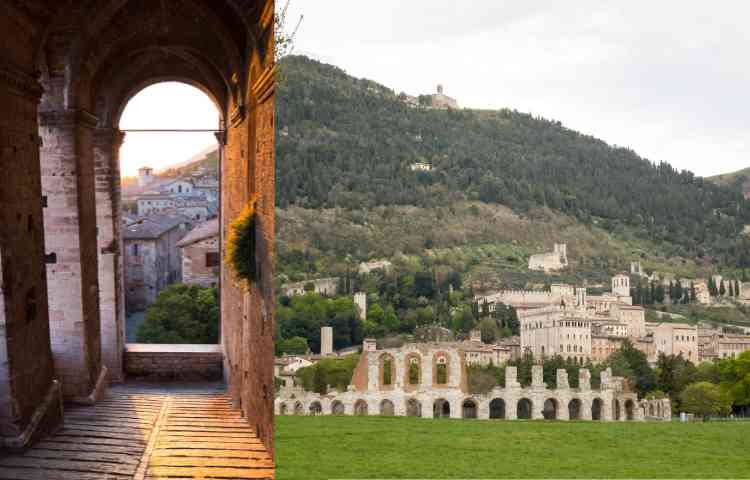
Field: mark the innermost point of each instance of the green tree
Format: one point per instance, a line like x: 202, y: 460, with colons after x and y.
x: 735, y: 379
x: 705, y: 399
x: 182, y: 314
x: 631, y: 363
x: 292, y: 346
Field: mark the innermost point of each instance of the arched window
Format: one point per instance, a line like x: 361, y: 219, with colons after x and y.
x: 469, y: 408
x: 596, y: 409
x: 386, y: 370
x: 415, y: 373
x: 550, y: 409
x: 387, y: 409
x: 497, y: 408
x: 413, y: 408
x: 441, y: 371
x: 524, y: 409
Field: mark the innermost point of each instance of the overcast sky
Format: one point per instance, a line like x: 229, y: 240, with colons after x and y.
x: 669, y: 79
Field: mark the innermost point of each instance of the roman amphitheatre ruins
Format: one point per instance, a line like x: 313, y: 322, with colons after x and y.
x: 429, y: 380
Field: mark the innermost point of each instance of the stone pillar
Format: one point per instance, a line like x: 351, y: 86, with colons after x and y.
x: 584, y: 380
x: 562, y: 379
x: 30, y: 399
x: 67, y: 164
x: 511, y: 378
x: 537, y: 376
x: 107, y: 143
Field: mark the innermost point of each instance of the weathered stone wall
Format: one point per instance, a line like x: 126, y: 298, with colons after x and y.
x: 248, y: 169
x: 174, y: 362
x: 67, y: 168
x: 30, y: 400
x: 107, y: 144
x: 564, y: 403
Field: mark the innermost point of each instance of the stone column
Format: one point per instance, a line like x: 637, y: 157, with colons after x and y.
x: 539, y: 389
x: 107, y: 143
x: 30, y: 399
x: 67, y: 164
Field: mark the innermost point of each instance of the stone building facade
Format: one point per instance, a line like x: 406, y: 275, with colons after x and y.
x: 430, y: 381
x: 200, y: 255
x: 152, y: 259
x: 67, y: 71
x: 677, y: 339
x: 322, y: 286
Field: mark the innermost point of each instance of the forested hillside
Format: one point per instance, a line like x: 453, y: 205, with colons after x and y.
x: 348, y: 143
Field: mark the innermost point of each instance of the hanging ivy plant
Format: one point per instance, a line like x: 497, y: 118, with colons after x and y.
x: 241, y: 242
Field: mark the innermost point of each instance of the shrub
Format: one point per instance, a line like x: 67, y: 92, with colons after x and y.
x: 241, y: 242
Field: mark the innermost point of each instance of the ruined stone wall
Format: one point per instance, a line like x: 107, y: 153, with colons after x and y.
x: 609, y: 403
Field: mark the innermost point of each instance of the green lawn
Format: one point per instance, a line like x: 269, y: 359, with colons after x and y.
x: 375, y: 447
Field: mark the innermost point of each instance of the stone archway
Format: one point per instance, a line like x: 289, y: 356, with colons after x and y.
x: 497, y: 408
x: 283, y: 409
x: 596, y: 409
x: 469, y: 409
x: 387, y: 409
x: 413, y: 408
x: 68, y: 71
x: 651, y: 412
x: 615, y: 409
x: 524, y: 409
x: 360, y: 408
x: 337, y: 408
x: 629, y: 410
x: 574, y: 409
x: 441, y: 408
x: 550, y: 409
x: 315, y: 408
x: 299, y: 409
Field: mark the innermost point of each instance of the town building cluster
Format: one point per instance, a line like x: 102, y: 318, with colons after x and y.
x: 171, y: 237
x: 568, y: 322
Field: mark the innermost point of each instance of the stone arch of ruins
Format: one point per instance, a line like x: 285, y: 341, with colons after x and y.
x: 67, y: 73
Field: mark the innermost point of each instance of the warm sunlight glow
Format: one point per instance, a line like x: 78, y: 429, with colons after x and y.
x: 168, y: 105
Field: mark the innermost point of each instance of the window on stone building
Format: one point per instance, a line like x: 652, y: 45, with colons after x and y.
x: 212, y: 259
x: 387, y: 371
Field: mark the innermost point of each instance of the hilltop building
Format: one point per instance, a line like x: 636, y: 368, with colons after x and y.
x: 323, y: 286
x: 550, y: 261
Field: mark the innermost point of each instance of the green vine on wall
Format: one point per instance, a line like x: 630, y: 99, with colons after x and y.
x: 241, y: 242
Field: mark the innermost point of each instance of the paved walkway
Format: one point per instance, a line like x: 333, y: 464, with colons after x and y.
x: 144, y: 432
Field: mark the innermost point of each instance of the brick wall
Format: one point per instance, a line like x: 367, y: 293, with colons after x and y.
x: 173, y: 362
x: 194, y: 268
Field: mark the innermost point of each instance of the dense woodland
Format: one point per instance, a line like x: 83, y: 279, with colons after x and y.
x: 348, y: 143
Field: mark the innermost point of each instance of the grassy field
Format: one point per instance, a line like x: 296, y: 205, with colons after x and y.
x: 382, y: 448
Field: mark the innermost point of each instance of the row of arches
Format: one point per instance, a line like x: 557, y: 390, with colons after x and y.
x: 387, y: 367
x: 441, y: 408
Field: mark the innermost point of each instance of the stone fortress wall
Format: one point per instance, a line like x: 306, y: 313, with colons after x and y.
x: 421, y: 392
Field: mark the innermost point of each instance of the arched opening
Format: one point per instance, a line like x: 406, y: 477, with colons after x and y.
x: 659, y: 410
x: 497, y: 408
x: 441, y: 370
x: 441, y: 408
x: 629, y: 410
x: 550, y: 409
x: 360, y: 408
x: 337, y: 408
x: 524, y: 409
x: 651, y: 412
x: 387, y: 409
x: 574, y: 409
x: 315, y: 408
x: 283, y: 409
x: 299, y: 409
x: 596, y: 409
x: 616, y: 410
x: 159, y: 250
x: 413, y: 408
x: 387, y: 371
x: 415, y: 370
x: 469, y: 408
